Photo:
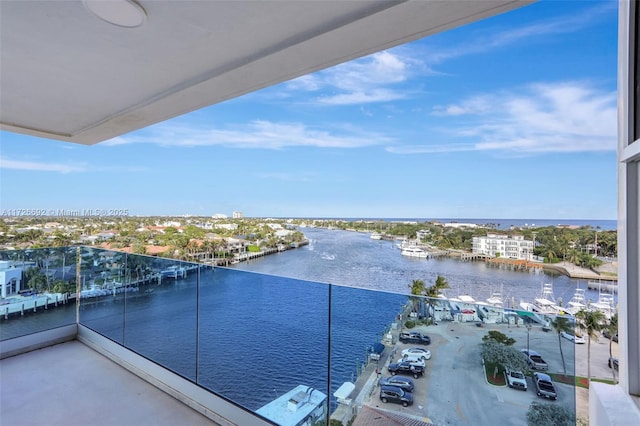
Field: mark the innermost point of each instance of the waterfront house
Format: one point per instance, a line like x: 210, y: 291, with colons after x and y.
x: 84, y: 72
x: 499, y: 245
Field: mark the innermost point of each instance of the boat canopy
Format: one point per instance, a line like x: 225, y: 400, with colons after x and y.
x: 344, y: 390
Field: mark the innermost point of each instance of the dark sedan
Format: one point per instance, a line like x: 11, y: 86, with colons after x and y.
x: 403, y: 383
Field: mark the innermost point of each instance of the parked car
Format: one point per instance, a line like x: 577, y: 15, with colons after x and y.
x: 573, y: 337
x: 424, y: 353
x: 607, y: 335
x: 395, y: 394
x: 544, y: 386
x: 404, y: 383
x: 413, y: 360
x: 613, y: 362
x: 406, y: 368
x: 415, y: 337
x: 534, y: 360
x: 516, y: 379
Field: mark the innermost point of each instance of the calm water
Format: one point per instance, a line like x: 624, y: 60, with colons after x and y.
x: 353, y: 259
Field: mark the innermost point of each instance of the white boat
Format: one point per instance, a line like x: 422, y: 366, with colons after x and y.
x: 496, y: 299
x: 414, y: 252
x: 546, y: 303
x: 577, y: 302
x: 605, y: 304
x: 376, y: 236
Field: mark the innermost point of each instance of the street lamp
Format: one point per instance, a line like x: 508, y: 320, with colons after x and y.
x: 528, y: 329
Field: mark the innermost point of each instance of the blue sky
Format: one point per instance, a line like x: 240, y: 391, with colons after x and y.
x: 510, y: 117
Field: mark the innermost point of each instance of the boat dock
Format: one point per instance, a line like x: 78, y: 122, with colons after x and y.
x: 22, y: 304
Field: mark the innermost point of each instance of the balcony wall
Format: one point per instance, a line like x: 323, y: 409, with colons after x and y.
x: 259, y: 341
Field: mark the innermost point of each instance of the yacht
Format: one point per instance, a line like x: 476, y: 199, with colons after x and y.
x: 605, y: 304
x: 577, y: 302
x: 496, y: 299
x: 414, y: 252
x: 546, y: 303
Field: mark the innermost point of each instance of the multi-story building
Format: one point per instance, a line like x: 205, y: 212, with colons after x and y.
x: 69, y: 76
x: 500, y: 245
x: 238, y: 215
x: 10, y: 278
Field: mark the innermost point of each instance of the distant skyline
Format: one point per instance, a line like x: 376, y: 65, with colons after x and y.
x: 510, y: 117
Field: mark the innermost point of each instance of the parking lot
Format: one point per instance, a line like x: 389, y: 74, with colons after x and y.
x: 454, y: 389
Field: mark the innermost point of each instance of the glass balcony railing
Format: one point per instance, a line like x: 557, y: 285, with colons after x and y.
x: 300, y: 352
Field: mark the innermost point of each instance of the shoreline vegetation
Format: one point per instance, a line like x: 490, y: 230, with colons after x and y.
x: 581, y: 252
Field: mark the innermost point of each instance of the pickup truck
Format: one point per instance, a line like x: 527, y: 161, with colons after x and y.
x: 414, y: 337
x: 515, y: 379
x: 544, y: 386
x: 406, y: 368
x: 534, y: 360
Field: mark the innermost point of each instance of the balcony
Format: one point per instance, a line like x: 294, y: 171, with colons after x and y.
x: 234, y: 347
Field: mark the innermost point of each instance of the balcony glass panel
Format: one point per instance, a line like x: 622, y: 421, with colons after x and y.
x: 160, y: 311
x: 261, y: 337
x: 102, y: 292
x: 38, y: 291
x: 279, y: 346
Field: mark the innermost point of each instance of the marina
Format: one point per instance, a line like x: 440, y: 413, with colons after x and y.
x: 229, y: 304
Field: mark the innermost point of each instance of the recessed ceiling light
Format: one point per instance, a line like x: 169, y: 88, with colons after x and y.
x: 123, y: 13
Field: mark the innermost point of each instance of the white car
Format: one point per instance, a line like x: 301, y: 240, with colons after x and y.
x: 575, y: 338
x: 418, y: 352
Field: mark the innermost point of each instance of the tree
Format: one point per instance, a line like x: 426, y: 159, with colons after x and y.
x: 611, y: 327
x: 591, y: 322
x: 543, y: 414
x: 440, y: 284
x: 561, y: 324
x: 417, y: 287
x: 498, y: 337
x: 507, y: 356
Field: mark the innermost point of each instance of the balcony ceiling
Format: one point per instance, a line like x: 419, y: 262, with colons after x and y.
x: 66, y: 74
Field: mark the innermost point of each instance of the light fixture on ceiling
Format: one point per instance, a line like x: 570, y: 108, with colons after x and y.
x: 123, y: 13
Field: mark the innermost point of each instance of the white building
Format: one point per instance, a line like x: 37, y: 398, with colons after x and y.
x: 238, y: 215
x: 10, y: 278
x: 497, y: 245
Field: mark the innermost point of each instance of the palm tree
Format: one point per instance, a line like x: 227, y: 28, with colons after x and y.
x: 591, y: 322
x: 561, y: 324
x: 611, y: 327
x: 417, y: 287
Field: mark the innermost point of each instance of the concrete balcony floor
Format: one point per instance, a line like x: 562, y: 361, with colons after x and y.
x: 71, y: 384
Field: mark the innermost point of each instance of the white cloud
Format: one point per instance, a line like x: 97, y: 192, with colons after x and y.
x: 6, y: 163
x: 374, y: 78
x: 256, y: 134
x: 544, y: 117
x: 38, y: 166
x: 375, y: 95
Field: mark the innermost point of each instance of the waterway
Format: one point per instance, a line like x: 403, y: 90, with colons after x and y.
x: 354, y: 259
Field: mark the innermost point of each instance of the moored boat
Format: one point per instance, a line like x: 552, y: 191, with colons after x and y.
x: 414, y: 252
